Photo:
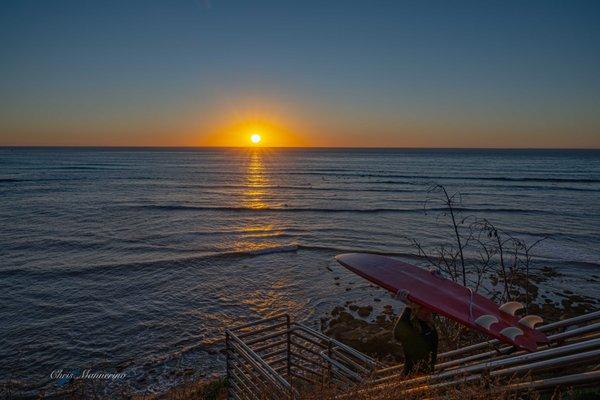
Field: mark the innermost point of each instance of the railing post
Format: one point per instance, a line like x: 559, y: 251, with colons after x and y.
x: 228, y: 374
x: 329, y: 354
x: 289, y: 353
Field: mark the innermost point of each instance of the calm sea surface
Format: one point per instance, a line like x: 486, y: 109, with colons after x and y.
x: 136, y: 260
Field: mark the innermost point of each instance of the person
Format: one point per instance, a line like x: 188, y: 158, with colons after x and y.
x: 415, y: 330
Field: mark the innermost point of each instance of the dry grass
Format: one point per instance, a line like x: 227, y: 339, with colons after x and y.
x: 483, y: 389
x: 215, y: 389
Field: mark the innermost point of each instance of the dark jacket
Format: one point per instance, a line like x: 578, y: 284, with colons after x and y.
x: 419, y: 341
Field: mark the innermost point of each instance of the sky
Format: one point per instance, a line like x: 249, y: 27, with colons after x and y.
x: 300, y: 73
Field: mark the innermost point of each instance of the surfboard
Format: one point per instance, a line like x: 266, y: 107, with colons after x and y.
x: 447, y: 298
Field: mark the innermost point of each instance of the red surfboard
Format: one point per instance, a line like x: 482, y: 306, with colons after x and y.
x: 448, y: 298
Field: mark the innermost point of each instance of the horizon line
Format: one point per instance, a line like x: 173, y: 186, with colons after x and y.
x: 288, y: 147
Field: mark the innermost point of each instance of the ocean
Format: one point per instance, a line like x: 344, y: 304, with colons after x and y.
x: 136, y: 260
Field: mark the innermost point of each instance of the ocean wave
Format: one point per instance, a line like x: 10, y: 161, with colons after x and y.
x: 12, y: 180
x: 542, y: 188
x: 576, y: 264
x: 172, y: 262
x: 270, y: 209
x: 481, y: 184
x: 70, y: 179
x: 340, y: 249
x: 86, y: 167
x: 185, y: 261
x: 309, y: 188
x: 183, y: 207
x: 444, y: 177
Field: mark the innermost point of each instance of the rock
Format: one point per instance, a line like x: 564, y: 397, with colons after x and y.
x: 364, y: 311
x: 388, y: 310
x: 374, y: 339
x: 337, y: 310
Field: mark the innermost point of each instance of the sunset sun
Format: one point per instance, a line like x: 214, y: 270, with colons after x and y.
x: 255, y: 138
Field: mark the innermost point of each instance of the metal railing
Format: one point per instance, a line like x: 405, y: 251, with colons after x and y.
x: 275, y: 358
x: 573, y: 343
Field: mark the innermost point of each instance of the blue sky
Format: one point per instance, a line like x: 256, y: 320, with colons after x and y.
x: 336, y: 73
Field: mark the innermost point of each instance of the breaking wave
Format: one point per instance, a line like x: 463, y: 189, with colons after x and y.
x: 181, y: 207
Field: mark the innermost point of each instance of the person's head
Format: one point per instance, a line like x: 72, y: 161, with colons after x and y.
x: 420, y: 312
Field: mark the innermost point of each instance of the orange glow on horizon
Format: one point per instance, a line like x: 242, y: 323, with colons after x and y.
x: 252, y: 134
x: 252, y: 131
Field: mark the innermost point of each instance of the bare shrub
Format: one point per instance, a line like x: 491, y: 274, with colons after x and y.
x: 478, y: 252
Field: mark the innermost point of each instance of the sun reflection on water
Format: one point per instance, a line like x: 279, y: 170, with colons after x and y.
x: 258, y: 228
x: 256, y: 182
x: 265, y: 296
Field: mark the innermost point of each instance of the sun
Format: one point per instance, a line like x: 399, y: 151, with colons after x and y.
x: 255, y: 138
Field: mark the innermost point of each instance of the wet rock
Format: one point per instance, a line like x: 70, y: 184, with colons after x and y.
x: 337, y: 310
x: 364, y: 311
x: 374, y: 339
x: 388, y: 310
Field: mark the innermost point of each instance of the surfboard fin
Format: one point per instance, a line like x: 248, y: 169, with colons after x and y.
x: 486, y: 320
x: 511, y: 307
x: 531, y: 321
x: 511, y: 332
